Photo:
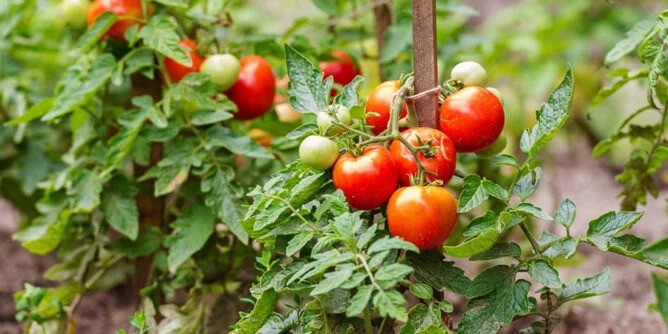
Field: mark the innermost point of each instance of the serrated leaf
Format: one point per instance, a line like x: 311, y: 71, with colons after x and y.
x: 400, y: 36
x: 501, y: 249
x: 657, y: 253
x: 307, y: 92
x: 85, y: 191
x: 332, y: 281
x: 139, y: 59
x: 174, y: 3
x: 544, y: 273
x: 564, y: 247
x: 298, y: 242
x: 633, y: 38
x: 475, y: 245
x: 490, y: 280
x: 598, y: 284
x: 191, y: 231
x: 532, y: 210
x: 430, y: 268
x: 420, y: 318
x: 505, y: 159
x: 221, y: 198
x: 302, y: 131
x: 661, y: 292
x: 119, y: 208
x: 388, y: 276
x: 528, y: 183
x: 160, y: 35
x: 348, y: 96
x: 494, y: 190
x: 243, y: 145
x: 359, y: 301
x: 95, y: 32
x: 35, y: 112
x: 421, y: 290
x: 388, y: 243
x: 565, y: 214
x: 488, y: 314
x: 603, y: 228
x: 146, y: 243
x: 262, y: 309
x: 550, y: 118
x: 205, y: 117
x: 390, y: 303
x: 472, y: 194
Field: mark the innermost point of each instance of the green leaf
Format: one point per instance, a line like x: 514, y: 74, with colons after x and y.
x: 528, y: 183
x: 307, y: 92
x: 550, y: 118
x: 532, y: 210
x: 657, y: 253
x: 430, y: 268
x: 332, y: 281
x: 505, y: 159
x: 565, y: 214
x: 85, y: 83
x: 242, y: 145
x: 475, y: 245
x: 495, y: 190
x: 302, y: 132
x: 488, y: 314
x: 262, y: 309
x: 95, y: 32
x: 400, y: 36
x: 221, y: 198
x: 298, y: 242
x: 206, y: 117
x: 661, y: 291
x: 388, y: 243
x: 388, y: 276
x: 119, y: 208
x: 544, y: 273
x: 35, y: 112
x: 191, y: 231
x: 422, y: 290
x: 654, y: 56
x: 146, y: 243
x: 327, y: 6
x: 500, y: 249
x: 174, y: 3
x: 481, y: 224
x: 633, y: 38
x: 120, y: 145
x: 490, y: 280
x: 564, y: 247
x: 139, y: 59
x: 359, y: 301
x: 472, y: 195
x: 603, y: 228
x: 51, y: 305
x: 420, y: 318
x: 348, y: 96
x: 85, y: 191
x: 390, y: 303
x: 160, y: 35
x: 598, y: 284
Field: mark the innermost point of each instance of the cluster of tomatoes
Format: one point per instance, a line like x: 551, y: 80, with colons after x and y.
x: 471, y: 120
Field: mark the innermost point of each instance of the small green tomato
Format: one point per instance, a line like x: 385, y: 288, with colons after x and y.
x: 318, y: 152
x: 469, y: 73
x: 222, y: 68
x: 325, y: 120
x: 75, y: 12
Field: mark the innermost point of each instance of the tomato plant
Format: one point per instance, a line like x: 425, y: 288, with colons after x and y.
x: 436, y: 153
x: 130, y: 13
x: 176, y: 70
x: 379, y: 104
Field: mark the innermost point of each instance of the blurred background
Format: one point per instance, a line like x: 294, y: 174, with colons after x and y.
x: 524, y: 45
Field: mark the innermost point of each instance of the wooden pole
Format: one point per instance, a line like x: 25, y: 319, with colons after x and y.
x: 383, y: 15
x: 424, y: 61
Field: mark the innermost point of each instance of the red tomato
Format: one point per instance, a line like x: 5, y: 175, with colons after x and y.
x: 422, y: 215
x: 473, y: 118
x: 254, y: 90
x: 343, y: 69
x: 176, y: 70
x: 380, y: 102
x: 128, y: 12
x: 439, y: 166
x: 367, y: 180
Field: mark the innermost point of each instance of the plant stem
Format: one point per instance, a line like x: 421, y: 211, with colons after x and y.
x: 397, y: 104
x: 420, y: 167
x: 532, y: 240
x: 368, y: 328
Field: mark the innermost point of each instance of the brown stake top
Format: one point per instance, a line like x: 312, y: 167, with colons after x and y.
x: 424, y: 61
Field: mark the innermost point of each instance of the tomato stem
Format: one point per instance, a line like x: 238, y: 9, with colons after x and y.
x: 397, y: 104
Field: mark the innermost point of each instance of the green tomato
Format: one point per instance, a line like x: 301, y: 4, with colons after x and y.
x: 326, y: 119
x: 469, y: 73
x: 222, y: 68
x: 318, y: 152
x: 497, y: 147
x: 75, y: 12
x: 496, y: 92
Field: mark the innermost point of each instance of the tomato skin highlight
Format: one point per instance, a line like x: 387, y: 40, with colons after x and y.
x: 473, y: 118
x: 254, y: 90
x: 380, y: 102
x: 422, y: 215
x: 128, y: 12
x: 367, y: 180
x: 176, y: 70
x: 441, y: 164
x: 343, y: 70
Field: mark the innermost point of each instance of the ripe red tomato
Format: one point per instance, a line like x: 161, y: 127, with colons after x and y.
x: 343, y: 69
x: 367, y: 180
x: 422, y: 215
x: 473, y: 118
x: 254, y: 90
x: 380, y: 102
x: 128, y: 12
x: 176, y: 70
x: 441, y: 163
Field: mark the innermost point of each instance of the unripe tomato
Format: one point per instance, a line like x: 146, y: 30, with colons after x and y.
x: 342, y: 70
x: 326, y: 121
x: 74, y: 12
x: 439, y: 166
x: 177, y: 70
x: 367, y: 180
x: 497, y: 93
x: 222, y: 68
x: 422, y: 215
x: 254, y: 90
x: 472, y: 117
x: 318, y: 152
x: 129, y: 12
x: 497, y: 147
x: 380, y: 102
x: 469, y: 73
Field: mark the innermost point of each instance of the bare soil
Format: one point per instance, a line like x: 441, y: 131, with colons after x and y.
x: 570, y: 173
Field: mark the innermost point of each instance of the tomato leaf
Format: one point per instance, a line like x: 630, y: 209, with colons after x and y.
x: 499, y: 250
x: 532, y: 210
x: 36, y: 111
x: 602, y: 229
x: 488, y: 314
x: 160, y: 35
x: 528, y: 183
x: 348, y: 96
x: 223, y: 198
x: 633, y: 38
x: 262, y: 309
x: 332, y: 281
x: 661, y: 291
x: 388, y: 243
x: 657, y: 253
x: 307, y: 92
x: 598, y: 284
x: 472, y: 195
x: 421, y: 318
x: 95, y: 32
x: 388, y: 276
x: 544, y: 273
x: 238, y: 144
x: 430, y: 268
x: 120, y: 209
x: 565, y: 214
x: 191, y: 231
x: 359, y: 301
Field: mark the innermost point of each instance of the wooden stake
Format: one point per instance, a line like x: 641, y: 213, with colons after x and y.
x: 424, y: 61
x: 383, y: 16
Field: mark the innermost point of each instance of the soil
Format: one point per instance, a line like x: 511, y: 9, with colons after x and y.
x: 570, y: 173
